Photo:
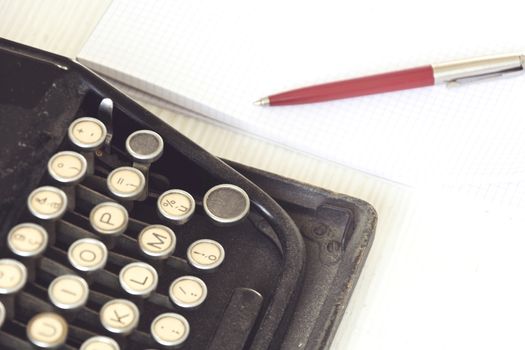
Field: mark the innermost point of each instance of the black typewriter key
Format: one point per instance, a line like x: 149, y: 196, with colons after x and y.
x: 47, y: 330
x: 110, y: 220
x: 170, y: 329
x: 126, y: 183
x: 87, y: 255
x: 119, y: 316
x: 27, y: 240
x: 157, y: 242
x: 139, y: 279
x: 145, y: 146
x: 205, y: 254
x: 100, y: 343
x: 188, y: 292
x: 226, y: 204
x: 47, y: 203
x: 68, y: 292
x: 176, y: 206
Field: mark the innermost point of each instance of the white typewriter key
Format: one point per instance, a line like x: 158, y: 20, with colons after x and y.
x: 205, y: 254
x: 68, y: 292
x: 87, y: 254
x: 188, y: 291
x: 119, y: 316
x: 13, y: 276
x: 27, y: 239
x: 157, y: 241
x: 47, y: 330
x: 226, y: 204
x: 2, y: 314
x: 87, y: 133
x: 138, y: 278
x: 170, y: 329
x: 126, y: 183
x: 100, y: 343
x: 67, y: 167
x: 145, y: 146
x: 176, y: 205
x: 47, y: 203
x: 109, y: 218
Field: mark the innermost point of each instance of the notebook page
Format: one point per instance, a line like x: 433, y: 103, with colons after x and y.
x: 216, y: 58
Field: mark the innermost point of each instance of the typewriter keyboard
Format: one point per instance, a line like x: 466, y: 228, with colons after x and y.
x: 83, y: 266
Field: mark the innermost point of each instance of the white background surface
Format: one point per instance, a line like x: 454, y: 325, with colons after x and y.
x: 445, y: 271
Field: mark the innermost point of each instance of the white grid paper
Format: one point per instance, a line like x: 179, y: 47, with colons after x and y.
x: 207, y: 58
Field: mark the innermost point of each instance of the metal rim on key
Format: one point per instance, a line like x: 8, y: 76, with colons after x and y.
x: 232, y: 212
x: 145, y: 157
x: 87, y: 145
x: 65, y: 179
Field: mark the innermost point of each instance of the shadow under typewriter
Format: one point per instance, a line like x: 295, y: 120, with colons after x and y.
x: 118, y: 232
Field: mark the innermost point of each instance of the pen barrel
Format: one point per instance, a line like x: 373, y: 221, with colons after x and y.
x: 373, y: 84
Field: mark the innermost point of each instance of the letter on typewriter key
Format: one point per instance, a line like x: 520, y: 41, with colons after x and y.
x: 13, y: 276
x: 145, y: 146
x: 177, y: 206
x: 109, y: 218
x: 170, y: 329
x: 87, y: 133
x: 138, y: 279
x: 119, y: 316
x: 27, y: 239
x: 157, y: 241
x: 188, y: 291
x: 126, y: 183
x: 226, y: 204
x: 47, y: 203
x: 88, y: 254
x: 99, y: 343
x: 68, y: 292
x: 67, y: 167
x: 47, y: 330
x: 205, y: 254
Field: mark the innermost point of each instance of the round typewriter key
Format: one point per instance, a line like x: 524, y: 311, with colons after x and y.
x: 188, y: 291
x: 2, y: 314
x: 27, y: 239
x: 47, y: 330
x: 119, y: 316
x: 205, y: 254
x: 47, y: 203
x: 109, y: 218
x: 145, y: 146
x: 87, y: 133
x: 88, y: 254
x: 67, y: 167
x: 226, y: 204
x: 170, y: 329
x: 138, y: 279
x: 176, y: 205
x: 13, y: 276
x: 126, y: 183
x: 99, y: 343
x: 157, y: 241
x: 68, y: 292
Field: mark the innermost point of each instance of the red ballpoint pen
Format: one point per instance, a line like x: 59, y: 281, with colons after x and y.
x: 451, y: 72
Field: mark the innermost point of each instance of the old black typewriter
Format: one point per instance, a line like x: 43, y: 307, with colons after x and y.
x: 117, y: 232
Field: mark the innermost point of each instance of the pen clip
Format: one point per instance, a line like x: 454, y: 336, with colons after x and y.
x: 482, y: 77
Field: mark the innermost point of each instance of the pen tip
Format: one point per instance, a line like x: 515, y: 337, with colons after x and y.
x: 265, y: 101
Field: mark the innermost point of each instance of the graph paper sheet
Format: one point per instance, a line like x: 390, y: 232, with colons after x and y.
x: 216, y: 62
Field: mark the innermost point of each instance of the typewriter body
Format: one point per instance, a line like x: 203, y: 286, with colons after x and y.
x: 117, y: 232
